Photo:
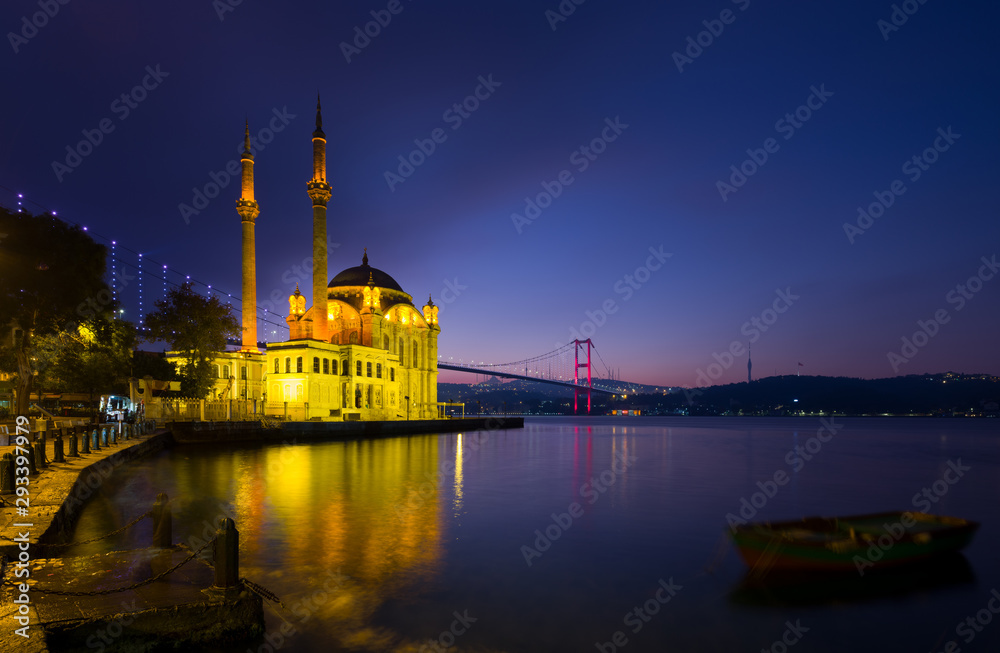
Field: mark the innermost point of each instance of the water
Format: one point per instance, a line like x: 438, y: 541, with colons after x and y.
x: 386, y: 545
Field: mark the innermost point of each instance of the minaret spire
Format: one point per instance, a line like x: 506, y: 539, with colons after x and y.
x: 749, y: 363
x: 319, y: 192
x: 248, y: 210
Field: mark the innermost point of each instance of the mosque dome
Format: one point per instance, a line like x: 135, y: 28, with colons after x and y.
x: 362, y: 274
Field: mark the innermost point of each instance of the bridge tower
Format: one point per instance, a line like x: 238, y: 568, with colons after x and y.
x: 578, y: 345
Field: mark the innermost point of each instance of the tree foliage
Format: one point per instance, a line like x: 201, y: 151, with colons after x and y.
x: 197, y: 326
x: 53, y: 277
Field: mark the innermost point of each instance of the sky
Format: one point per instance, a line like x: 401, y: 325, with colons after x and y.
x: 676, y: 181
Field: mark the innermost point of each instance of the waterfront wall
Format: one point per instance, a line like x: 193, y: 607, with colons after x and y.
x: 215, y: 432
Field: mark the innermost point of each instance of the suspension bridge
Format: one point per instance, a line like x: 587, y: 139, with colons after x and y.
x: 569, y: 366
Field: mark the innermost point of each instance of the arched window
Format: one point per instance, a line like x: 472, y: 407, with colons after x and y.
x: 298, y: 392
x: 369, y: 369
x: 288, y: 365
x: 358, y: 370
x: 225, y: 371
x: 345, y: 369
x: 416, y: 354
x: 298, y: 365
x: 243, y: 372
x: 315, y: 364
x: 392, y: 374
x: 385, y: 342
x: 277, y: 365
x: 354, y: 337
x: 378, y: 370
x: 216, y: 371
x: 326, y: 366
x: 402, y: 358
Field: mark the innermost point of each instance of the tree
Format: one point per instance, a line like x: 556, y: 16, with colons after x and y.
x: 196, y: 326
x: 53, y: 277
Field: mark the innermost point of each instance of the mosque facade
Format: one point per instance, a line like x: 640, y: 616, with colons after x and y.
x: 361, y: 351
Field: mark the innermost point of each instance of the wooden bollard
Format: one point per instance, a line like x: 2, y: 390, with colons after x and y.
x: 57, y: 449
x: 227, y: 554
x: 162, y: 522
x: 7, y: 474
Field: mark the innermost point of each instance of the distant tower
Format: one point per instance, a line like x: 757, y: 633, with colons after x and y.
x: 319, y: 193
x: 247, y: 207
x: 749, y: 363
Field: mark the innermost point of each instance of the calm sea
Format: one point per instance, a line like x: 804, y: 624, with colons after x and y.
x: 583, y: 534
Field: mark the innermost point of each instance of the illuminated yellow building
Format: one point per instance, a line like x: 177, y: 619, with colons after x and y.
x: 363, y: 351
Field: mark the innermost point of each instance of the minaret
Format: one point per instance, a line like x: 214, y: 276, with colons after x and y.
x: 749, y: 363
x: 247, y: 207
x: 319, y: 193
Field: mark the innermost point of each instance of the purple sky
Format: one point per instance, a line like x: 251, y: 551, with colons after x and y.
x: 862, y: 99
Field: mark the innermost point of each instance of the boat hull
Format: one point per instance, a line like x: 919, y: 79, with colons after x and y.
x: 853, y: 543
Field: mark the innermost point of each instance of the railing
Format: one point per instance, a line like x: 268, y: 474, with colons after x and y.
x: 30, y: 450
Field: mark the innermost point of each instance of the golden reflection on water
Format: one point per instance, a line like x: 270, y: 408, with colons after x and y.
x: 362, y: 518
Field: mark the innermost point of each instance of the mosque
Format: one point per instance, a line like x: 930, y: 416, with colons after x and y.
x: 362, y: 351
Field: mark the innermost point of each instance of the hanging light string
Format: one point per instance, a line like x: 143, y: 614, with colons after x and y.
x: 119, y: 265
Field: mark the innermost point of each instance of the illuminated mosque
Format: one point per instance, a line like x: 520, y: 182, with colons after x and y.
x: 362, y: 351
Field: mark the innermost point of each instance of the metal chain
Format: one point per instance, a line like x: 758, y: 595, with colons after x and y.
x: 148, y: 513
x: 261, y: 591
x: 135, y: 521
x: 157, y: 577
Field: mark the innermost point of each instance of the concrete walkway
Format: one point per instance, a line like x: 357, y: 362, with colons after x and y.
x: 56, y: 495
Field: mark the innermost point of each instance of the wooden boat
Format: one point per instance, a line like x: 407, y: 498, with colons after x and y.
x: 854, y: 543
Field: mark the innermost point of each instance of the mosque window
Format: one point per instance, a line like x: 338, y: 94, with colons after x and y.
x: 378, y: 370
x: 315, y: 365
x: 392, y: 374
x: 326, y: 366
x: 385, y: 342
x: 357, y: 371
x: 354, y: 337
x: 243, y: 372
x: 345, y: 368
x: 401, y: 353
x: 333, y: 366
x: 288, y: 365
x: 298, y: 364
x: 369, y: 369
x: 277, y: 365
x: 216, y: 371
x: 225, y: 371
x: 357, y: 396
x: 416, y: 354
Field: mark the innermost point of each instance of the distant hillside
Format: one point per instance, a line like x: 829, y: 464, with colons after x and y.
x: 929, y: 394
